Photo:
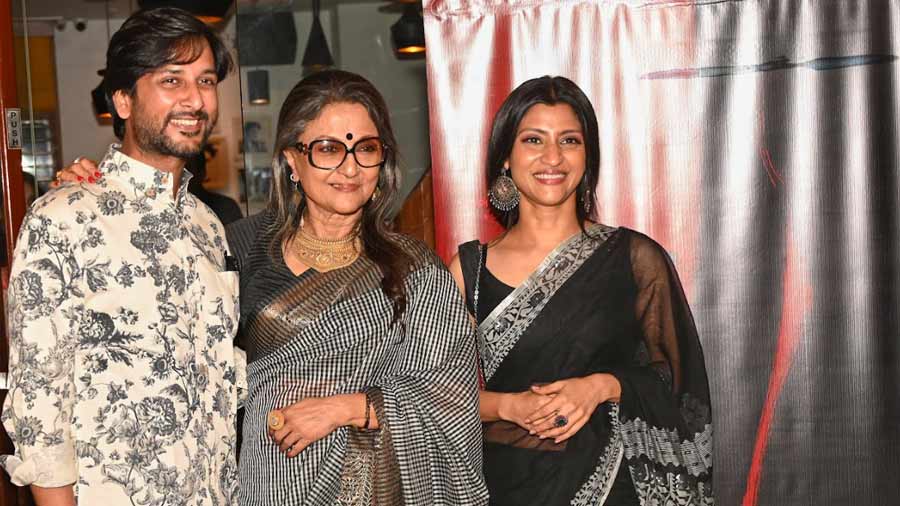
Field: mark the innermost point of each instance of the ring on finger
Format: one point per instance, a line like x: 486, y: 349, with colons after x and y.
x: 560, y: 421
x: 275, y: 420
x: 289, y: 449
x: 76, y: 161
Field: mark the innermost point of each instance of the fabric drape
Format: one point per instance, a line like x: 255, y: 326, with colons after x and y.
x: 321, y: 334
x: 606, y: 301
x: 758, y: 143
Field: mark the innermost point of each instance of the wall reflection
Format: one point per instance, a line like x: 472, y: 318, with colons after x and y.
x: 274, y: 40
x: 60, y: 48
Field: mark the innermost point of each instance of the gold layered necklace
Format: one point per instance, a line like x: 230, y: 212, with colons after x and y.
x: 326, y: 255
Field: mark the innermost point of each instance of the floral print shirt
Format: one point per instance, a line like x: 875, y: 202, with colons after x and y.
x: 124, y: 380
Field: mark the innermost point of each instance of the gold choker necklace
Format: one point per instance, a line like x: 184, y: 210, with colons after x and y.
x: 326, y: 255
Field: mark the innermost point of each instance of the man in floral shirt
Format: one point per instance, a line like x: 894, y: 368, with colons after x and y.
x: 122, y: 304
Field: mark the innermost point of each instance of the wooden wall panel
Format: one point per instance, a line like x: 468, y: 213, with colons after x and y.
x: 416, y: 218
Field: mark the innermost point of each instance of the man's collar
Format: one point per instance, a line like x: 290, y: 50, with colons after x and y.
x: 145, y: 178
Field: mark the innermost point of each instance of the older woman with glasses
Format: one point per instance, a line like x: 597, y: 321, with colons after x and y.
x: 361, y: 358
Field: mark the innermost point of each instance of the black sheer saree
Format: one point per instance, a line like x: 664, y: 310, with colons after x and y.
x: 611, y: 303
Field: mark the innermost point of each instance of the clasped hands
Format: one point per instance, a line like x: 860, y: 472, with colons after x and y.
x: 560, y: 409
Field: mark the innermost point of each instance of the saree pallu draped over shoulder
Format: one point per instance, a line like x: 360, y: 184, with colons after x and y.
x: 604, y: 301
x: 322, y: 334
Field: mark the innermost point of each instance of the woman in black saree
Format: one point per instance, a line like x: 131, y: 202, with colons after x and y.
x: 594, y: 385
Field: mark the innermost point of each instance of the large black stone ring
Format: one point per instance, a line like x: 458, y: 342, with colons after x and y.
x: 560, y: 421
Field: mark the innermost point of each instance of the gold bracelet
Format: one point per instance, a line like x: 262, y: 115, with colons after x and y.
x: 368, y: 406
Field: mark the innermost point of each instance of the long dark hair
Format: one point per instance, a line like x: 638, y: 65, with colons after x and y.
x: 150, y: 39
x: 548, y: 90
x: 304, y: 104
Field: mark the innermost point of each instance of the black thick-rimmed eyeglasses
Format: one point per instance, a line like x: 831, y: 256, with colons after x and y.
x: 329, y: 154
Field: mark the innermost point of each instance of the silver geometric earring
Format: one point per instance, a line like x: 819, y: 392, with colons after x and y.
x: 588, y: 203
x: 503, y: 194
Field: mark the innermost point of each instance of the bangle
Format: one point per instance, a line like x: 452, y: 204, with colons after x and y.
x: 368, y: 406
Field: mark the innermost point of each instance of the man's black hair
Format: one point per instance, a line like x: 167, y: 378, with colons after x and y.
x: 150, y: 39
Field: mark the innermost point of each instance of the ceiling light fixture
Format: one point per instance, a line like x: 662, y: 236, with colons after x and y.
x: 408, y: 33
x: 258, y: 87
x: 317, y: 55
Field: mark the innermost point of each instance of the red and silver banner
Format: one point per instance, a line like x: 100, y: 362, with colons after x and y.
x: 757, y: 142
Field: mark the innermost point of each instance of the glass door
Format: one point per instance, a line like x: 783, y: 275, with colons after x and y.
x: 12, y: 125
x: 51, y: 56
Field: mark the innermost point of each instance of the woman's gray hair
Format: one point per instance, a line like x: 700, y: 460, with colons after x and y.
x: 304, y: 104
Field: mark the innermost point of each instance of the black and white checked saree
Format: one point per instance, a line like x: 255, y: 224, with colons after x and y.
x: 322, y: 334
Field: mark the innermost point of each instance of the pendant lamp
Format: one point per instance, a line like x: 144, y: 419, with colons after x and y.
x: 258, y: 87
x: 408, y: 33
x: 317, y: 55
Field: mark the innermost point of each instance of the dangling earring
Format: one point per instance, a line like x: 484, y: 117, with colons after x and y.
x: 503, y: 194
x: 588, y: 202
x: 294, y: 179
x: 376, y: 194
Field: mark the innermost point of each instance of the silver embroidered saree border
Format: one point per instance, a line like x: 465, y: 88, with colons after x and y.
x: 503, y: 327
x: 596, y: 489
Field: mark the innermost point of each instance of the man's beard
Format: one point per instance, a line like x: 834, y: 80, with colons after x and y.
x: 152, y: 138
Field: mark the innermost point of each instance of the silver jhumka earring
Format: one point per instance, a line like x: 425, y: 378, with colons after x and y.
x: 503, y: 194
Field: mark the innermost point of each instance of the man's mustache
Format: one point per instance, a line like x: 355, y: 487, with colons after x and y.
x: 199, y: 115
